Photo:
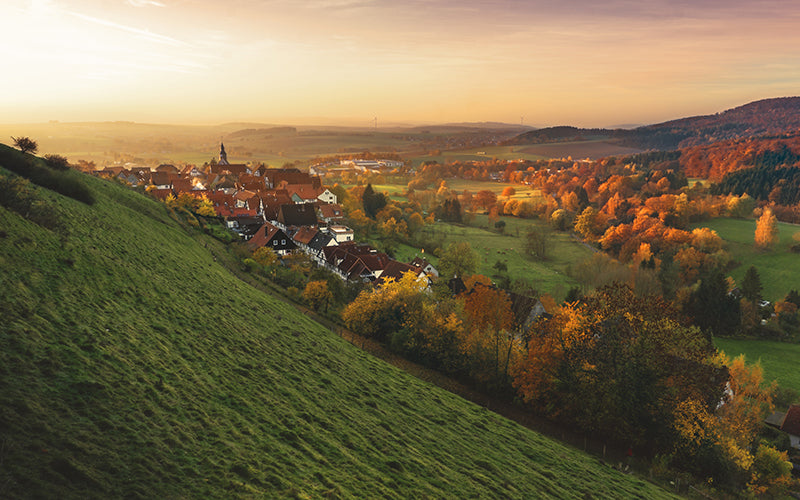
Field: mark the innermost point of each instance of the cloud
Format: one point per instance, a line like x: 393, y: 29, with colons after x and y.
x: 146, y: 34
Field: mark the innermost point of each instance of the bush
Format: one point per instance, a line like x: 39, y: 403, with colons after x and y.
x: 64, y: 182
x: 56, y: 162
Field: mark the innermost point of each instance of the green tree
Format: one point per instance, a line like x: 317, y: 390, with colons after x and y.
x: 373, y: 202
x: 751, y: 285
x: 25, y: 144
x: 535, y: 244
x: 458, y: 259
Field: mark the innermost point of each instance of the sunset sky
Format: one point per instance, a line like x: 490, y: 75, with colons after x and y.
x: 578, y: 62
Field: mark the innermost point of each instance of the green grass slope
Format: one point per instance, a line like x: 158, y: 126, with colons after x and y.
x: 133, y: 365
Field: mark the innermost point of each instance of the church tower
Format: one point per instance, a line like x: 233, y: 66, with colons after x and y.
x: 223, y: 156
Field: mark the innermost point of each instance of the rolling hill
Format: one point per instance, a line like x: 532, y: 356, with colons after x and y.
x: 765, y: 117
x: 133, y: 365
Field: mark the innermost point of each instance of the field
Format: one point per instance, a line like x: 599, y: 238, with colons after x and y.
x: 132, y: 364
x: 779, y: 269
x: 592, y: 149
x: 546, y: 276
x: 274, y: 145
x: 778, y: 359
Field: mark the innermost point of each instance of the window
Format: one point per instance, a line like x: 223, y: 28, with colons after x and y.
x: 283, y: 242
x: 274, y: 243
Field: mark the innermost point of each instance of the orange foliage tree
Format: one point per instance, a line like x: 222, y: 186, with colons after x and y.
x: 618, y: 364
x: 766, y: 230
x: 489, y: 341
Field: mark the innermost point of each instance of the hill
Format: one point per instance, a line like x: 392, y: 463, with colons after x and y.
x: 775, y: 116
x: 133, y: 365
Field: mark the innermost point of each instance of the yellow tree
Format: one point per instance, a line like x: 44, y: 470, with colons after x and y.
x: 318, y: 295
x: 766, y: 230
x: 206, y: 208
x: 265, y: 256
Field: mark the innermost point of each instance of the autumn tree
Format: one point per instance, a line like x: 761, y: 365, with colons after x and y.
x: 318, y: 295
x: 766, y: 230
x: 265, y: 256
x: 618, y: 364
x: 591, y: 224
x: 508, y: 191
x: 25, y: 144
x: 485, y: 199
x: 718, y: 440
x: 458, y: 259
x: 489, y: 342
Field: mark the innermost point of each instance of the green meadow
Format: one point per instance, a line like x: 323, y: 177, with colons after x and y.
x: 132, y: 364
x: 778, y: 359
x: 778, y: 268
x: 546, y: 275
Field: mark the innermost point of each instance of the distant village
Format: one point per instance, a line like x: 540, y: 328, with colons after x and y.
x: 283, y: 209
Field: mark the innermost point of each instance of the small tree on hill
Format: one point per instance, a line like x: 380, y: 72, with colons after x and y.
x: 25, y: 144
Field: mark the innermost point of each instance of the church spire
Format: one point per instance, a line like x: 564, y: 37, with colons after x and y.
x: 223, y: 156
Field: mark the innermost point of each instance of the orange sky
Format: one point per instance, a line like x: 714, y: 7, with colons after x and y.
x: 580, y: 62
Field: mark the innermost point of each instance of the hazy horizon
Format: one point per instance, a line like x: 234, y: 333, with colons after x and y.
x: 345, y: 62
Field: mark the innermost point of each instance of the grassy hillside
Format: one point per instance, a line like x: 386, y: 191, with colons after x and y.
x: 778, y: 268
x: 133, y: 365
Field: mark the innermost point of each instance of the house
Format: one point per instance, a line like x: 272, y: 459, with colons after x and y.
x: 247, y: 199
x: 330, y: 212
x: 326, y: 196
x: 395, y: 270
x: 302, y: 193
x: 303, y: 236
x: 272, y: 237
x: 161, y: 180
x: 167, y: 169
x: 354, y: 262
x: 789, y: 423
x: 425, y: 266
x: 302, y: 214
x: 341, y: 233
x: 315, y: 247
x: 273, y: 177
x: 526, y: 311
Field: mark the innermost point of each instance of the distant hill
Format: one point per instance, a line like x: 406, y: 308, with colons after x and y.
x: 132, y: 364
x: 766, y: 117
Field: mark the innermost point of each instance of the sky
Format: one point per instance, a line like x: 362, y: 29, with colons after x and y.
x: 541, y: 63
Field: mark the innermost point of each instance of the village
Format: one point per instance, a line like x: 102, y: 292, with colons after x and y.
x: 282, y: 209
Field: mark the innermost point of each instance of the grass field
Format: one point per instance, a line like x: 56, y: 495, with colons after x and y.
x: 547, y: 276
x: 778, y: 359
x: 779, y: 268
x: 132, y: 364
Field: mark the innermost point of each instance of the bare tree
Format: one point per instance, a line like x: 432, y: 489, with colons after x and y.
x: 25, y: 144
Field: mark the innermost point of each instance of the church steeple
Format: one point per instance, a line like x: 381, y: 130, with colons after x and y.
x: 223, y: 156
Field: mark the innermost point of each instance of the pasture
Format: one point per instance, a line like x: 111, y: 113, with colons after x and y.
x: 778, y: 359
x: 779, y: 268
x: 546, y: 276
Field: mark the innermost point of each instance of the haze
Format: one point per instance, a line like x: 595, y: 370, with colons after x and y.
x: 582, y: 62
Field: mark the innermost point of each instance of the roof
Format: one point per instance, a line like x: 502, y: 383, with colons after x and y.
x: 396, y: 270
x: 264, y: 235
x: 320, y: 241
x: 791, y: 422
x: 331, y: 211
x: 303, y: 191
x: 182, y: 185
x: 305, y: 234
x: 300, y: 214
